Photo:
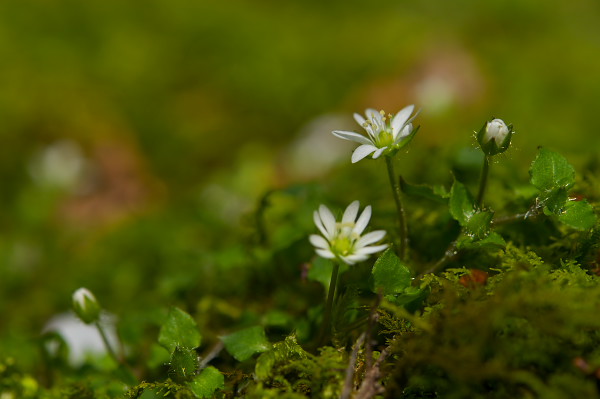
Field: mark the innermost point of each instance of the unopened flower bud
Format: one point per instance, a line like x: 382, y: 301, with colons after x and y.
x: 86, y: 306
x: 494, y: 137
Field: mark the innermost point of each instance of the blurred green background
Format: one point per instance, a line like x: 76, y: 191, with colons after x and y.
x: 138, y: 137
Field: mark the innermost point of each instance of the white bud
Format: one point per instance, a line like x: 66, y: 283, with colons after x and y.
x: 86, y: 306
x: 496, y: 130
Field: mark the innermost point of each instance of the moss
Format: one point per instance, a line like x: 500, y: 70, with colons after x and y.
x: 517, y: 336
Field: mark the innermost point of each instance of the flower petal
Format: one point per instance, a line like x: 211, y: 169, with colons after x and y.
x: 359, y: 119
x: 352, y: 136
x: 379, y: 151
x: 319, y: 242
x: 369, y: 238
x: 319, y: 224
x: 351, y: 212
x: 354, y: 258
x: 362, y: 151
x: 365, y: 124
x: 363, y: 220
x: 325, y: 253
x: 371, y: 250
x: 401, y: 118
x: 412, y: 118
x: 328, y: 221
x: 406, y: 131
x: 376, y: 118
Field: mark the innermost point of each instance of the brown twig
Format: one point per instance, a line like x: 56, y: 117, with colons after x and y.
x: 348, y: 385
x: 373, y: 317
x: 370, y: 386
x: 214, y: 352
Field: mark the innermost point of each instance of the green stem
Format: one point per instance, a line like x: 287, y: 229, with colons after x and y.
x: 483, y: 179
x: 451, y: 254
x: 533, y: 213
x: 109, y: 348
x: 326, y: 326
x: 123, y: 371
x: 402, y: 227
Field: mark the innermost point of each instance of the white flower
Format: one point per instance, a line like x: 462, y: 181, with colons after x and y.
x: 496, y: 130
x: 83, y: 340
x: 343, y: 240
x: 385, y: 134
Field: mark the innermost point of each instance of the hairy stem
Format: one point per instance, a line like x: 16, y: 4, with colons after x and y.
x: 483, y: 179
x: 402, y: 227
x: 451, y: 254
x: 533, y: 213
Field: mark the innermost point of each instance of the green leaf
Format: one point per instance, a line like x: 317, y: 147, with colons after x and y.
x: 554, y: 201
x: 410, y: 294
x: 479, y: 224
x: 462, y: 205
x: 463, y: 209
x: 184, y: 364
x: 579, y: 215
x: 180, y: 329
x: 437, y: 193
x: 207, y: 382
x: 245, y: 343
x: 321, y: 269
x: 551, y: 170
x: 493, y: 240
x: 390, y: 274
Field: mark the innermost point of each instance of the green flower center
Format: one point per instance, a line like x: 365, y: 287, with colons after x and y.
x: 342, y: 246
x: 385, y: 139
x: 343, y: 243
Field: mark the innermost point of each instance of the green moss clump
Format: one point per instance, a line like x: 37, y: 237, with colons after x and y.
x: 518, y: 336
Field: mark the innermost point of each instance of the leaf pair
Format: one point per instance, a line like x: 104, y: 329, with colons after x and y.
x: 552, y: 174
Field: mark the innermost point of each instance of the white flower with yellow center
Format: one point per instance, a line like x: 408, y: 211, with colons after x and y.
x: 343, y: 240
x: 385, y: 134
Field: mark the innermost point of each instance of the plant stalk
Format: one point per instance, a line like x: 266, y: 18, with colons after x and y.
x: 107, y: 344
x: 402, y: 227
x: 326, y: 326
x: 483, y: 180
x: 124, y: 372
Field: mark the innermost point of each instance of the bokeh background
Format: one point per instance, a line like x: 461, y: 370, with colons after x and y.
x: 138, y: 139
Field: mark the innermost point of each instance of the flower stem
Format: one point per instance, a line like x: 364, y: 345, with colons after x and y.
x: 107, y: 344
x: 124, y: 372
x: 402, y: 227
x: 483, y: 179
x: 326, y: 326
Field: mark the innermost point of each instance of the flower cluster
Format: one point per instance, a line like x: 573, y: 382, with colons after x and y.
x: 385, y: 134
x: 344, y: 240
